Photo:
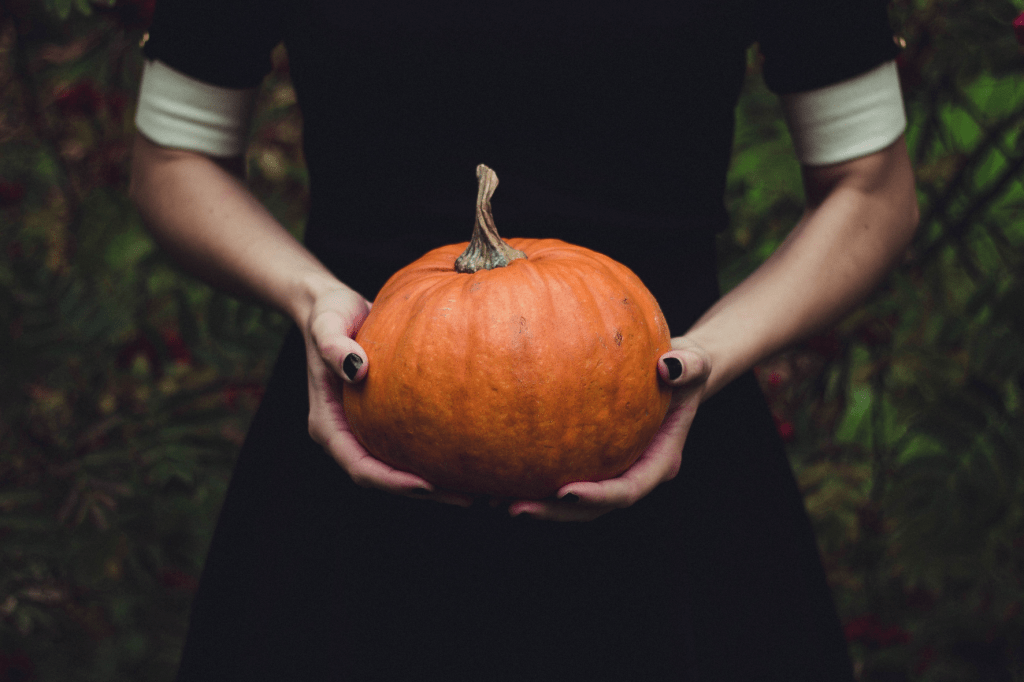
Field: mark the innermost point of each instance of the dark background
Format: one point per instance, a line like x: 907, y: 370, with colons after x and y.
x: 126, y: 387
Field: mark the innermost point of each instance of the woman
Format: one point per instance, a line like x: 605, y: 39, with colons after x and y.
x: 611, y: 127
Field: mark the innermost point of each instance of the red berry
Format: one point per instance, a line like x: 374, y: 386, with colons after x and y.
x: 11, y: 193
x: 176, y: 347
x: 785, y: 428
x: 82, y: 99
x: 176, y: 579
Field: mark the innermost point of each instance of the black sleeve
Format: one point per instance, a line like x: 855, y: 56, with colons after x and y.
x: 809, y: 44
x: 220, y: 42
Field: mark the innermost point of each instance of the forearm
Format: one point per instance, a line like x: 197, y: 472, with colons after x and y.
x: 860, y: 218
x: 214, y: 228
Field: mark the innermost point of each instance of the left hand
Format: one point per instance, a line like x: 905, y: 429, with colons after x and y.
x: 584, y: 500
x: 333, y: 356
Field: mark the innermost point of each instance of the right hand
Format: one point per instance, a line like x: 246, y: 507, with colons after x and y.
x: 333, y: 356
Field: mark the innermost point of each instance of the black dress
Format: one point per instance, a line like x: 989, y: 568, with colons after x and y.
x: 609, y: 126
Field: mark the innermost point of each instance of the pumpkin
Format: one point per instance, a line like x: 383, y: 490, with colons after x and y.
x: 510, y: 369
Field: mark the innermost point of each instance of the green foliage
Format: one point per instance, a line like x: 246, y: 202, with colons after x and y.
x: 907, y: 419
x: 127, y: 387
x: 61, y: 9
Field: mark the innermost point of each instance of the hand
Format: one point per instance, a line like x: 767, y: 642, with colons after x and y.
x: 584, y: 501
x: 333, y: 356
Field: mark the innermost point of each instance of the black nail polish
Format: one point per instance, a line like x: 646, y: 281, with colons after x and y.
x: 675, y: 368
x: 571, y: 498
x: 351, y: 365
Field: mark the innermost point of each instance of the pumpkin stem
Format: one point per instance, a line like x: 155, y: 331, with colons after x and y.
x: 486, y: 249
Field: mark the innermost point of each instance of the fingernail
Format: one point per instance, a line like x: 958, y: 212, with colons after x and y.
x: 571, y: 498
x: 351, y: 365
x: 420, y: 491
x: 675, y: 368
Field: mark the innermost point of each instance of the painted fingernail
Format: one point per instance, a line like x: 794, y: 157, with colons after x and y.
x: 571, y: 498
x: 675, y: 368
x: 351, y: 365
x: 420, y: 491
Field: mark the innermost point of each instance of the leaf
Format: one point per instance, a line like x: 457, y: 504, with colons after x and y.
x: 59, y: 8
x: 26, y: 523
x: 188, y: 320
x: 166, y: 472
x: 106, y: 457
x: 126, y: 250
x: 16, y: 498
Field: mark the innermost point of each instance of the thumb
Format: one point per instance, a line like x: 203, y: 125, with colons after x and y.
x: 680, y: 367
x: 331, y: 336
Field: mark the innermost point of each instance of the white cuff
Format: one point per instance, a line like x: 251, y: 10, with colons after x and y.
x: 847, y: 120
x: 178, y: 111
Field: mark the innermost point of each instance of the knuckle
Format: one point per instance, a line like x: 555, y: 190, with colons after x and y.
x: 313, y: 426
x: 361, y: 479
x: 316, y: 333
x: 672, y: 472
x: 629, y: 495
x: 327, y: 349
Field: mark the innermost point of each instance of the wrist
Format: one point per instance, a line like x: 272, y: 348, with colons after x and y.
x: 727, y: 360
x: 309, y: 286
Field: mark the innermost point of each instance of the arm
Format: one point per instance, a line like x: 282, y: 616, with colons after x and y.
x: 860, y: 217
x: 200, y: 212
x: 859, y: 220
x: 204, y: 216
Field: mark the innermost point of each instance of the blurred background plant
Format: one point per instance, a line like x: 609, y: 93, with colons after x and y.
x: 906, y: 423
x: 127, y: 387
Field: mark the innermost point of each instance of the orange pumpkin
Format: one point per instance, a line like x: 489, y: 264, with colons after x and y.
x: 512, y: 369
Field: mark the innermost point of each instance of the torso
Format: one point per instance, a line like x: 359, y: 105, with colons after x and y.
x: 611, y: 129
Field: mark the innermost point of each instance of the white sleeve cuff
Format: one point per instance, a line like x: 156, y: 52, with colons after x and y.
x: 178, y: 111
x: 848, y: 119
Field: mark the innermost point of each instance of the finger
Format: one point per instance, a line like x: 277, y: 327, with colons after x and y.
x: 333, y: 338
x: 557, y: 510
x: 587, y: 500
x: 683, y: 366
x: 369, y: 472
x: 653, y: 468
x: 329, y: 427
x: 327, y: 422
x: 567, y: 506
